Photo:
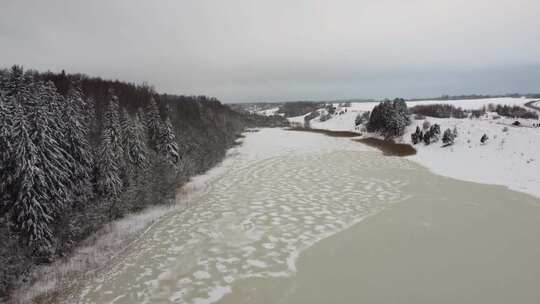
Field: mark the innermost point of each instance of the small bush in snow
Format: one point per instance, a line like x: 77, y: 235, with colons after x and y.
x: 325, y: 117
x: 362, y: 118
x: 505, y: 129
x: 484, y: 138
x: 448, y: 137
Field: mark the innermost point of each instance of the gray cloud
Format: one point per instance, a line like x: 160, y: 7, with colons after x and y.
x: 282, y: 49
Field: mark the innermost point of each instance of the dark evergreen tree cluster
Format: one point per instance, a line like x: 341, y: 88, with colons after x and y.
x: 47, y: 162
x: 431, y: 133
x: 389, y: 118
x: 439, y: 110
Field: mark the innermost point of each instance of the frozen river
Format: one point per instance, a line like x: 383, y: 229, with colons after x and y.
x: 279, y: 198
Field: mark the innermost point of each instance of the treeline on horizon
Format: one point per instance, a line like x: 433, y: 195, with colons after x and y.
x: 77, y: 152
x: 478, y: 96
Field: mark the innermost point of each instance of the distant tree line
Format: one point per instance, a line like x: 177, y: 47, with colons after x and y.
x: 298, y: 108
x: 515, y: 112
x: 478, y: 96
x: 77, y: 152
x: 438, y: 110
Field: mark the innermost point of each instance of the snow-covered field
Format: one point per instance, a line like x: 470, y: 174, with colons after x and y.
x: 510, y: 158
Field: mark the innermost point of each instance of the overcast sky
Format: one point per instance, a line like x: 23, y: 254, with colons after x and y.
x: 284, y: 49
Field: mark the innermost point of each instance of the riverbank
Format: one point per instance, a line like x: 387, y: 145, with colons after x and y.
x: 510, y: 157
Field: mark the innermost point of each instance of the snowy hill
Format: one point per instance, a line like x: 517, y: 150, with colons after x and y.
x: 511, y: 156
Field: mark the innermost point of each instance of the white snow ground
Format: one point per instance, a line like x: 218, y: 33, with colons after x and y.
x: 510, y: 158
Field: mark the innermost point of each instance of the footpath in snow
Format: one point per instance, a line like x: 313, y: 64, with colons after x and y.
x: 511, y: 156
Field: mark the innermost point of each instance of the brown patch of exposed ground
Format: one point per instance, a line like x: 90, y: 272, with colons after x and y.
x: 327, y: 132
x: 388, y: 147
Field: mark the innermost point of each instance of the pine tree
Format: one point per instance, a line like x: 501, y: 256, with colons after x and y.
x: 435, y: 132
x: 427, y: 137
x: 417, y: 136
x: 76, y: 142
x: 448, y: 137
x: 167, y: 145
x: 7, y: 165
x: 110, y: 162
x: 153, y: 123
x: 16, y: 84
x: 134, y: 142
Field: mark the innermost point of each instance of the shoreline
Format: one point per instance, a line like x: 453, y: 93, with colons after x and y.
x: 510, y: 157
x: 58, y: 282
x: 388, y: 148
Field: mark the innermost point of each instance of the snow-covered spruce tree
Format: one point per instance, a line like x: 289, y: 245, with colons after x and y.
x: 427, y: 137
x: 42, y: 176
x: 134, y: 142
x: 76, y: 142
x: 389, y: 118
x: 167, y: 145
x: 448, y: 137
x: 417, y: 136
x: 110, y: 153
x: 435, y: 132
x: 15, y: 84
x: 153, y: 122
x: 15, y: 90
x: 7, y: 165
